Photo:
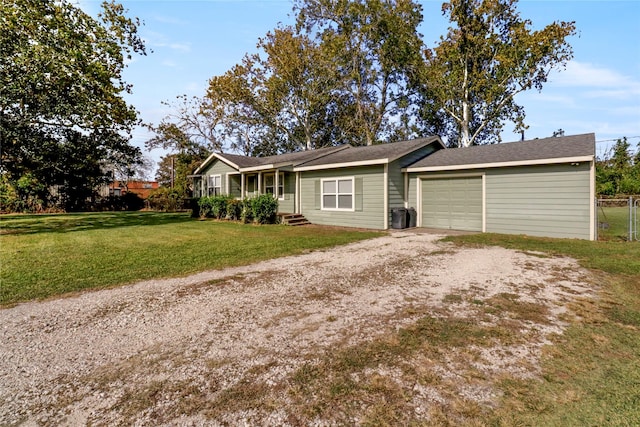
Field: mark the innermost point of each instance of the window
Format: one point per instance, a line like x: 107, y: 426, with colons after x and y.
x: 337, y: 194
x: 251, y: 185
x: 269, y: 184
x: 215, y: 185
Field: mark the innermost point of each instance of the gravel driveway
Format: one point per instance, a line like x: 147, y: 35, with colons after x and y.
x: 138, y: 354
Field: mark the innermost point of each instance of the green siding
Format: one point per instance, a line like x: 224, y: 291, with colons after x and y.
x: 550, y: 201
x: 396, y: 177
x: 288, y: 204
x: 218, y: 168
x: 369, y: 203
x: 546, y: 200
x: 452, y: 203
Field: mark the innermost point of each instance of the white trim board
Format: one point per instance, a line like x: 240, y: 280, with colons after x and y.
x: 501, y: 164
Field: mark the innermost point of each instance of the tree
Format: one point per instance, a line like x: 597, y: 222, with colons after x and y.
x: 298, y: 79
x: 61, y: 89
x: 174, y: 170
x: 489, y: 55
x: 194, y: 123
x: 374, y: 45
x: 618, y: 173
x: 279, y: 100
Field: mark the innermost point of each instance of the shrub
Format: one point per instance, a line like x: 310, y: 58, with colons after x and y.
x: 246, y: 212
x: 165, y: 199
x: 214, y: 206
x: 261, y: 209
x: 264, y: 209
x: 234, y: 208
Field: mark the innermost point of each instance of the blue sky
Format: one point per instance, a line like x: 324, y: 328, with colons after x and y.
x: 599, y: 92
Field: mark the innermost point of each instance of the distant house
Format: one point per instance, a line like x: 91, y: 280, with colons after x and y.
x: 543, y: 187
x: 119, y: 188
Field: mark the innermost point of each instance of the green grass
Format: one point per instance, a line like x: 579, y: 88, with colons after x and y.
x: 617, y: 223
x: 48, y: 255
x: 591, y: 375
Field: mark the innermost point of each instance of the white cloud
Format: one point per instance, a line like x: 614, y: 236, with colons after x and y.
x: 158, y: 40
x: 602, y: 82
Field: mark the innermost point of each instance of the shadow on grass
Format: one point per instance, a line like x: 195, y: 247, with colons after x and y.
x: 65, y: 223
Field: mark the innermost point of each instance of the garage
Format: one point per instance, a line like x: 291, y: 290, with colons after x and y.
x: 452, y: 203
x: 542, y: 187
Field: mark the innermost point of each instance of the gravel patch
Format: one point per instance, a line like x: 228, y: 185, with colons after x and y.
x: 139, y: 354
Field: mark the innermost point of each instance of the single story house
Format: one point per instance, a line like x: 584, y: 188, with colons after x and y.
x: 542, y: 187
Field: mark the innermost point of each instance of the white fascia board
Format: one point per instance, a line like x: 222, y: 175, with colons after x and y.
x: 258, y: 168
x: 501, y: 164
x: 342, y: 165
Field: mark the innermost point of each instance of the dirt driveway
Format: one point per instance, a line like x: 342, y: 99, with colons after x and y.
x: 251, y: 345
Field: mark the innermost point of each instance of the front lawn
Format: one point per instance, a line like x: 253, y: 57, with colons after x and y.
x: 47, y: 255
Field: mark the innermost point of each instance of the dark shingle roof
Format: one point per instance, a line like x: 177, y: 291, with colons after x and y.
x: 291, y: 159
x: 389, y: 152
x: 536, y: 149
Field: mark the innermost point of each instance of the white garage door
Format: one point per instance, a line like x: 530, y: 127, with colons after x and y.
x: 452, y: 203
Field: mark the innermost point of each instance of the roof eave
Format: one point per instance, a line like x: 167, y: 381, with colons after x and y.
x: 558, y: 160
x: 341, y: 165
x: 216, y: 156
x: 425, y: 143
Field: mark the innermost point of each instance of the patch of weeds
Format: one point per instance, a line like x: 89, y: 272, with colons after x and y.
x: 347, y: 383
x: 505, y: 302
x: 184, y: 396
x: 452, y: 298
x: 535, y: 254
x: 196, y: 289
x: 442, y: 252
x: 249, y: 393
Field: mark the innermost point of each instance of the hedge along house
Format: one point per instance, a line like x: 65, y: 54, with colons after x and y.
x: 343, y: 185
x: 543, y: 187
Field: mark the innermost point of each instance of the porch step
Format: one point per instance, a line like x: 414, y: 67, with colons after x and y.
x: 294, y: 219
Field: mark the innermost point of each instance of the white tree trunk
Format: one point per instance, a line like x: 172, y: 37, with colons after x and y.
x: 465, y: 137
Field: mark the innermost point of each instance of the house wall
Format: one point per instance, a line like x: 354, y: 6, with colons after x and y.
x: 551, y: 201
x: 288, y: 204
x: 396, y: 177
x: 545, y: 200
x: 218, y: 168
x: 369, y: 201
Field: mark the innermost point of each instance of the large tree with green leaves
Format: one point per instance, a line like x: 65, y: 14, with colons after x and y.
x: 280, y: 99
x: 375, y: 46
x: 488, y: 56
x: 61, y: 91
x: 618, y: 172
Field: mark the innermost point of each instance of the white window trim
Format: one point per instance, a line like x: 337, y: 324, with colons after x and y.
x: 353, y: 193
x: 280, y: 183
x: 212, y: 178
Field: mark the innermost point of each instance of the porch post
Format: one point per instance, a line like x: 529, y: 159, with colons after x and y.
x: 276, y: 182
x: 259, y: 183
x: 296, y: 196
x: 242, y: 189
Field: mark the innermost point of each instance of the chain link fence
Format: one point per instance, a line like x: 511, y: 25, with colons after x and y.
x: 617, y: 218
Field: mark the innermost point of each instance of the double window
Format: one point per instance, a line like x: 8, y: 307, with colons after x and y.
x: 337, y: 194
x: 215, y: 185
